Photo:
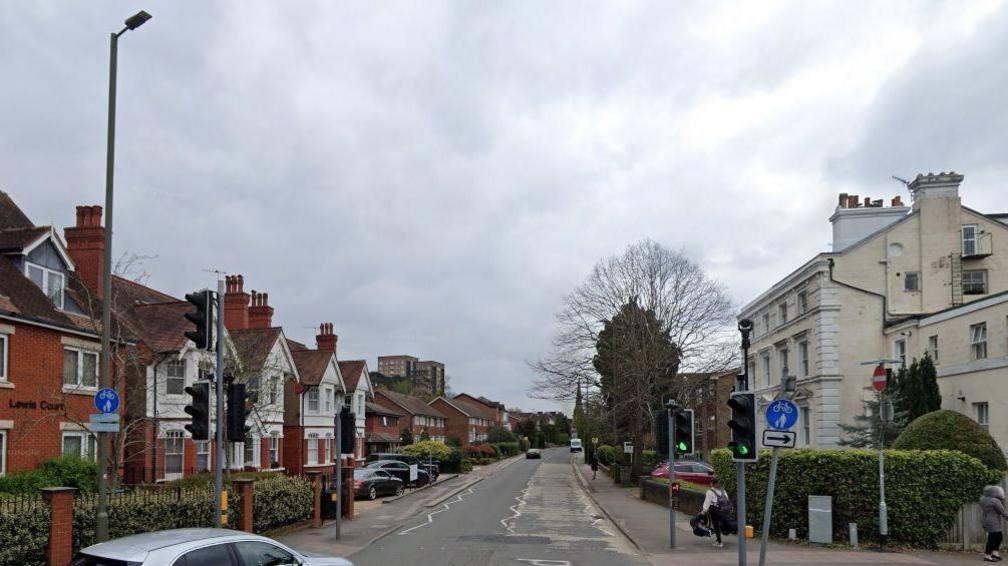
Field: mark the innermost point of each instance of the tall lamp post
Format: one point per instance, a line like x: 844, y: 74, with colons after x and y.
x: 101, y: 514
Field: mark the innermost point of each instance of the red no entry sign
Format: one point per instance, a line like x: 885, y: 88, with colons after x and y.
x: 879, y: 378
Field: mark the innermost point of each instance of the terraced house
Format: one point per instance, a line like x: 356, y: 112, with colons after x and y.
x: 312, y: 405
x: 900, y: 281
x: 464, y: 420
x: 419, y: 417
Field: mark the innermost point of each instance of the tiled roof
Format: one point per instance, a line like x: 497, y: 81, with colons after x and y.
x: 128, y: 293
x: 11, y: 215
x: 254, y: 345
x: 19, y: 296
x: 351, y: 371
x: 473, y: 409
x: 410, y: 404
x: 16, y: 239
x: 162, y: 326
x: 376, y: 409
x: 311, y: 364
x: 295, y: 345
x: 377, y: 436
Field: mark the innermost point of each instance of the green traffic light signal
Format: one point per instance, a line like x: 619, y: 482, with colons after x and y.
x: 743, y: 449
x: 682, y: 446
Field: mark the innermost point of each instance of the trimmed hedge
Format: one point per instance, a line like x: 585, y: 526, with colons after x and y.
x: 481, y: 451
x: 24, y: 534
x: 949, y: 430
x: 278, y: 501
x: 508, y: 448
x: 649, y: 460
x: 606, y: 454
x: 66, y: 471
x: 924, y: 490
x: 428, y: 449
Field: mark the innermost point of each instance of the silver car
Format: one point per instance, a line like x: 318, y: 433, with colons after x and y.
x: 198, y: 547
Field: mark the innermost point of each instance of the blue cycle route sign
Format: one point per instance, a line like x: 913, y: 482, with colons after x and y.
x: 781, y: 414
x: 106, y: 400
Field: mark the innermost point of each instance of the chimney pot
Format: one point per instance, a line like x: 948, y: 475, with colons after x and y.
x: 897, y: 201
x: 86, y: 246
x: 867, y: 202
x: 842, y: 200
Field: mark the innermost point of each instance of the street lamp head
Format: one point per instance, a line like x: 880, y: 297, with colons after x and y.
x: 745, y: 325
x: 670, y: 403
x: 137, y: 20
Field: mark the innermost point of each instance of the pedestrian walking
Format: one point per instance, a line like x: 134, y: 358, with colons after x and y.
x: 593, y: 460
x: 716, y: 506
x: 992, y: 502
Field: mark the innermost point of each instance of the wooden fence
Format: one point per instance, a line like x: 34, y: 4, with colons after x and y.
x: 967, y: 532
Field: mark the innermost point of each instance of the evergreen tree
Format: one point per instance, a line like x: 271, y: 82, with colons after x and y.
x: 406, y: 436
x: 918, y: 388
x: 867, y: 427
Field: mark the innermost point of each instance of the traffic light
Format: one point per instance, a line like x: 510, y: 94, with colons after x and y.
x: 202, y: 318
x: 236, y: 429
x: 684, y: 432
x: 199, y: 410
x: 348, y: 431
x: 743, y: 426
x: 661, y: 431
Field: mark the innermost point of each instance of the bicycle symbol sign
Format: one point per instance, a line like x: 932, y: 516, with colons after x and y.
x: 781, y: 414
x: 106, y: 400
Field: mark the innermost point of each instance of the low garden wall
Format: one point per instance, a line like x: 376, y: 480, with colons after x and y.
x: 690, y: 501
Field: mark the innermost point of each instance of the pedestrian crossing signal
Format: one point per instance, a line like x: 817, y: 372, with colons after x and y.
x: 684, y: 432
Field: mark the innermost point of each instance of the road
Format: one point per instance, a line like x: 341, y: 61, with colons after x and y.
x: 531, y: 512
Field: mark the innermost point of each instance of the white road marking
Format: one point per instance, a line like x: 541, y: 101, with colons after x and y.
x: 514, y: 508
x: 538, y: 562
x: 430, y: 516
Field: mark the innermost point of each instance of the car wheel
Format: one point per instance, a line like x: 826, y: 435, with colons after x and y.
x: 372, y: 493
x: 399, y: 490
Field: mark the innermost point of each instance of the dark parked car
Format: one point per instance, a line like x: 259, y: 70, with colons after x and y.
x: 533, y: 453
x: 400, y: 470
x: 432, y: 467
x: 372, y: 483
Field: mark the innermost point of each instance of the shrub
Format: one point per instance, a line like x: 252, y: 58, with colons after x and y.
x: 466, y: 465
x: 508, y: 448
x: 649, y: 459
x: 480, y: 451
x: 924, y: 489
x: 606, y: 454
x: 428, y: 449
x: 206, y: 479
x: 24, y: 534
x: 279, y: 501
x: 66, y: 471
x: 949, y: 430
x: 453, y: 441
x: 500, y: 434
x: 523, y: 443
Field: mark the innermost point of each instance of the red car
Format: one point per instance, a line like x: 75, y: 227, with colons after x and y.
x: 696, y: 472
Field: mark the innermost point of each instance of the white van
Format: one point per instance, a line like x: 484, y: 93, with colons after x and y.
x: 575, y: 444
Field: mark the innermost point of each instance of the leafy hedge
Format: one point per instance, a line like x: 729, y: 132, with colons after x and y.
x: 924, y: 489
x: 206, y: 479
x: 278, y: 501
x: 24, y: 534
x: 950, y: 430
x: 606, y: 454
x: 428, y: 448
x: 480, y: 451
x: 508, y: 448
x: 66, y: 471
x: 649, y: 460
x: 524, y: 444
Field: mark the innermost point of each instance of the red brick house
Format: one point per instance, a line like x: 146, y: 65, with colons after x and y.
x: 49, y: 345
x: 381, y: 428
x: 464, y: 420
x: 359, y: 391
x: 418, y: 416
x: 498, y: 409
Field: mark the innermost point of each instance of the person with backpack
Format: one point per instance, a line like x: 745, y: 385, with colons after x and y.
x: 992, y: 503
x: 717, y: 507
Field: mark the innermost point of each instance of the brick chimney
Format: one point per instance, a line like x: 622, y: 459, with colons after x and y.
x: 326, y: 340
x: 86, y: 245
x: 260, y: 314
x: 236, y: 303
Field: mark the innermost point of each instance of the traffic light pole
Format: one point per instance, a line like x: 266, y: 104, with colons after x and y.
x: 745, y: 327
x: 672, y: 478
x: 219, y: 403
x: 339, y: 471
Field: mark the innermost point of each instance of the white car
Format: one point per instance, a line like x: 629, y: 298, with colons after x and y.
x: 198, y: 547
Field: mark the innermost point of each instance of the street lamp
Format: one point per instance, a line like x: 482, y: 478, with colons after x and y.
x: 101, y: 513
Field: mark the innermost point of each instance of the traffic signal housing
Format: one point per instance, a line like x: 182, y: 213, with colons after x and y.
x: 743, y: 426
x: 348, y: 431
x: 237, y: 431
x: 683, y: 432
x: 199, y: 410
x: 661, y: 431
x: 202, y: 317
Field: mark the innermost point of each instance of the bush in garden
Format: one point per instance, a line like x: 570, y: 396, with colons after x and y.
x: 280, y: 501
x: 24, y: 533
x: 924, y: 489
x: 500, y: 434
x: 606, y: 454
x: 466, y: 465
x: 524, y: 444
x: 508, y: 448
x: 480, y: 451
x: 949, y: 430
x: 66, y: 471
x: 453, y: 441
x: 428, y: 449
x: 206, y: 479
x: 650, y: 459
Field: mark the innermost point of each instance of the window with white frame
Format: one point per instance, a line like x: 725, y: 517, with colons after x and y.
x: 50, y: 281
x: 274, y: 390
x: 978, y: 340
x: 3, y: 452
x: 328, y: 399
x: 251, y: 453
x: 802, y: 302
x: 803, y: 369
x: 348, y: 402
x: 313, y: 399
x: 782, y: 355
x: 980, y: 414
x: 174, y: 454
x: 202, y: 456
x: 3, y: 357
x: 933, y: 348
x: 313, y: 448
x: 80, y: 368
x: 911, y: 281
x: 175, y: 371
x: 766, y: 369
x: 274, y: 450
x: 969, y: 240
x: 328, y: 448
x: 974, y: 282
x: 782, y: 313
x: 237, y: 455
x: 899, y: 350
x: 80, y: 444
x: 806, y: 420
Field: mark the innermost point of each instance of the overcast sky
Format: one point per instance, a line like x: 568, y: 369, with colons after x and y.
x: 433, y: 177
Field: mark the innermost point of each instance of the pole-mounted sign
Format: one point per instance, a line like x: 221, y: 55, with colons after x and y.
x: 879, y: 378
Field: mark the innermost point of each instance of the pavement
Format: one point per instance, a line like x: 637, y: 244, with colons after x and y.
x: 646, y: 525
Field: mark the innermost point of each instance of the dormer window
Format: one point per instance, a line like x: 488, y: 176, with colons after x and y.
x: 51, y: 282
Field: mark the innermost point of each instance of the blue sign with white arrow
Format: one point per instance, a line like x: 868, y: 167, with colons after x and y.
x: 106, y: 400
x: 781, y: 414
